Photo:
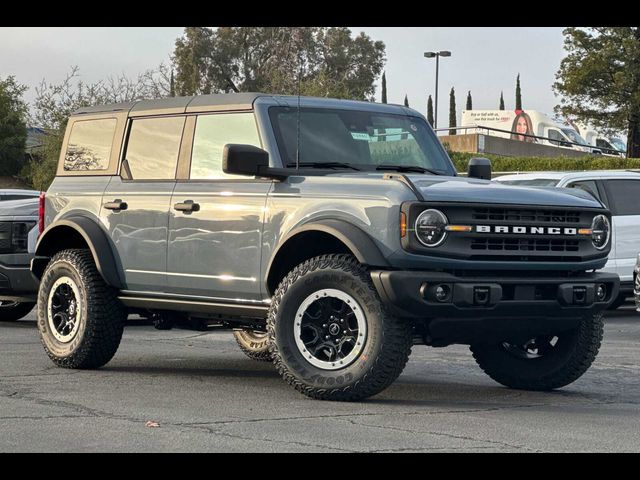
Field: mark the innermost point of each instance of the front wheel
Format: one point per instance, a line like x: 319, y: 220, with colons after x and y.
x: 12, y: 311
x: 331, y: 337
x: 546, y: 362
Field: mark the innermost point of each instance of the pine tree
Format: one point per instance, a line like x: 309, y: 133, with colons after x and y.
x: 384, y: 87
x: 518, y: 94
x: 406, y: 101
x: 172, y: 85
x: 452, y: 112
x: 501, y: 101
x: 469, y: 101
x: 430, y: 111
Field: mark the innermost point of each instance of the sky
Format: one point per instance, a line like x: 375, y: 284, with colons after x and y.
x: 485, y: 60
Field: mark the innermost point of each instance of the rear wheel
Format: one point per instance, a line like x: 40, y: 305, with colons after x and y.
x: 12, y: 311
x: 80, y: 317
x: 253, y: 344
x: 543, y: 363
x: 331, y: 336
x: 636, y: 292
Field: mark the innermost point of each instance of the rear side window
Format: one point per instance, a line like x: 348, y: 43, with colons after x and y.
x: 89, y: 146
x: 624, y: 196
x: 152, y: 149
x: 213, y: 132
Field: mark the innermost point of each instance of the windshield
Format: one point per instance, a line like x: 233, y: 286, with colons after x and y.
x: 618, y: 144
x: 574, y: 137
x: 533, y: 182
x: 363, y: 139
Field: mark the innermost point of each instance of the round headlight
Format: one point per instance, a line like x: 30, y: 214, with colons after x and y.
x: 430, y: 226
x: 600, y: 232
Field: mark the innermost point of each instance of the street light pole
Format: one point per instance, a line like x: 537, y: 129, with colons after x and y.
x: 437, y: 55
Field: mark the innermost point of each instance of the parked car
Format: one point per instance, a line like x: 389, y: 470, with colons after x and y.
x: 336, y: 234
x: 620, y: 192
x: 18, y: 234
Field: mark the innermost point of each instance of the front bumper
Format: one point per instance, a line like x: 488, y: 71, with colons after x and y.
x: 16, y: 280
x: 499, y: 303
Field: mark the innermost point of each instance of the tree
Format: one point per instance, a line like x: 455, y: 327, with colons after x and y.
x: 501, y: 101
x: 452, y: 112
x: 172, y: 85
x: 518, y: 94
x: 469, y: 101
x: 599, y: 80
x: 430, y: 111
x: 384, y: 88
x: 13, y: 126
x: 242, y: 59
x: 406, y: 101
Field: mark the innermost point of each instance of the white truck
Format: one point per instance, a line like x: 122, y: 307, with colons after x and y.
x: 609, y: 145
x: 527, y: 126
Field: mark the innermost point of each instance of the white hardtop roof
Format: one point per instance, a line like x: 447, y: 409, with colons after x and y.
x: 584, y: 175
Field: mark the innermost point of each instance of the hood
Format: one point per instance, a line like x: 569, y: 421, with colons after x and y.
x: 470, y: 190
x: 27, y: 207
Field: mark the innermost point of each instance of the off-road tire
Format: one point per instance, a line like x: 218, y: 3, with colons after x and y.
x: 101, y: 319
x: 254, y: 345
x: 387, y: 346
x: 163, y: 321
x: 15, y: 311
x: 556, y: 370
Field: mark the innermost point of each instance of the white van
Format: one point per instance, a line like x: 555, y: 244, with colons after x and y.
x: 526, y: 126
x: 610, y: 146
x: 617, y: 190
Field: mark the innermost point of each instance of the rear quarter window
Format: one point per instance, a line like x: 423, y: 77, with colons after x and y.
x: 624, y: 196
x: 89, y: 145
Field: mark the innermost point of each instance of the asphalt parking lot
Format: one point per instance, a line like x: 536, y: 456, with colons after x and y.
x: 204, y: 395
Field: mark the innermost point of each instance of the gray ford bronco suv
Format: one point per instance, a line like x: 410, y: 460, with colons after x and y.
x: 331, y: 235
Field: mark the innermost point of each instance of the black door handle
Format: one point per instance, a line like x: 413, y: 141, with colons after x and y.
x: 116, y: 205
x: 187, y: 206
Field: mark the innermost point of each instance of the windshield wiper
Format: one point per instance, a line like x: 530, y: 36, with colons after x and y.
x: 408, y: 168
x: 323, y: 165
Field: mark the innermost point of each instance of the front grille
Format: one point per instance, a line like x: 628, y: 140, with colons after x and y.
x: 5, y: 237
x: 525, y: 215
x: 524, y: 245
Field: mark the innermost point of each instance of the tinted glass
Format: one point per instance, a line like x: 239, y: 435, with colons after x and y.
x: 588, y: 186
x: 359, y: 138
x: 89, y: 146
x: 153, y: 147
x: 624, y: 196
x: 213, y: 132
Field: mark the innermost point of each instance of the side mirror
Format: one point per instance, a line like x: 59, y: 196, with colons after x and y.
x: 244, y: 160
x: 479, y: 168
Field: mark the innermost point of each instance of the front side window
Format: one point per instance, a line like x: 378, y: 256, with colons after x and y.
x: 153, y: 148
x: 212, y: 133
x: 89, y: 145
x: 365, y: 140
x: 588, y: 186
x: 624, y: 196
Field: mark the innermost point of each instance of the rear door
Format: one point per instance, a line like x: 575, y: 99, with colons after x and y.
x: 215, y: 246
x: 135, y: 208
x: 624, y: 202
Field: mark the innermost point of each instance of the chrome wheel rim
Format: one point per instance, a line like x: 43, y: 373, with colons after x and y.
x: 63, y: 309
x: 330, y: 329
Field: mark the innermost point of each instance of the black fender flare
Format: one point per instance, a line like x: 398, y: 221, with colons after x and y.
x: 359, y: 242
x: 93, y: 235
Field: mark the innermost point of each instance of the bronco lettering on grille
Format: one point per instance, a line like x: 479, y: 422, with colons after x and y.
x: 526, y: 230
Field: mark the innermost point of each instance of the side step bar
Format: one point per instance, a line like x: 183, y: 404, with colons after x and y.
x: 195, y: 306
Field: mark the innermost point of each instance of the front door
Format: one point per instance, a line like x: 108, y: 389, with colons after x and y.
x: 135, y: 209
x: 215, y: 224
